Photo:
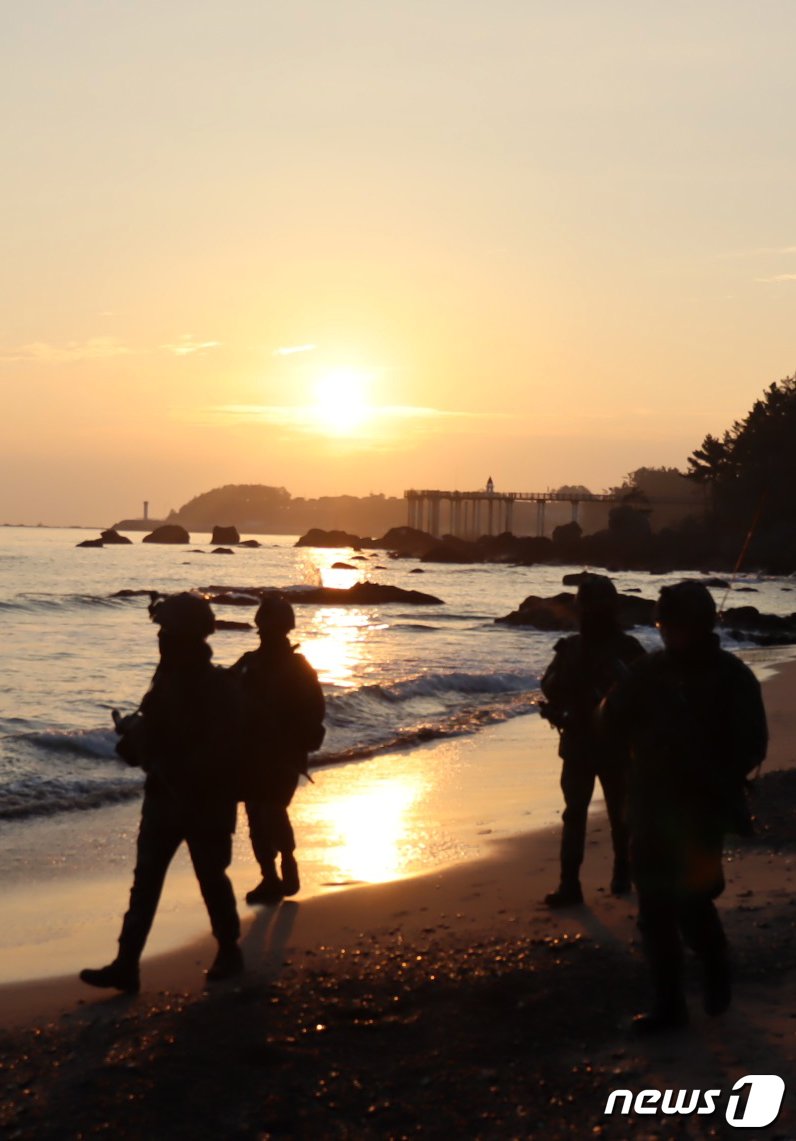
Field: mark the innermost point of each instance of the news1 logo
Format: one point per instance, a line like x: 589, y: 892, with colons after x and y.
x: 753, y: 1102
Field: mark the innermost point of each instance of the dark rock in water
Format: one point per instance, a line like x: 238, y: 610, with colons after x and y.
x: 717, y: 582
x: 221, y: 596
x: 379, y: 567
x: 745, y: 590
x: 359, y: 558
x: 768, y: 629
x: 406, y: 542
x: 316, y: 537
x: 772, y: 639
x: 632, y: 590
x: 576, y: 578
x: 452, y: 550
x: 342, y: 566
x: 560, y: 612
x: 227, y: 624
x: 127, y: 592
x: 91, y: 543
x: 222, y: 551
x: 636, y: 611
x: 168, y: 533
x: 364, y: 594
x: 222, y: 536
x: 417, y: 570
x: 252, y: 543
x: 360, y: 594
x: 745, y: 623
x: 113, y: 536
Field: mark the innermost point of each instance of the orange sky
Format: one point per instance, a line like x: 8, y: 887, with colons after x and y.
x: 546, y: 242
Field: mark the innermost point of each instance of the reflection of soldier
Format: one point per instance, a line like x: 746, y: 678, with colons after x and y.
x: 694, y: 719
x: 585, y: 667
x: 283, y: 710
x: 182, y: 739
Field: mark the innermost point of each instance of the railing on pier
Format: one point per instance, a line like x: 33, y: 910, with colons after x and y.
x: 474, y: 513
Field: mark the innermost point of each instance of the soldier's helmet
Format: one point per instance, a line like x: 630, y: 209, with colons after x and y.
x: 275, y: 615
x: 688, y: 604
x: 597, y: 592
x: 186, y: 615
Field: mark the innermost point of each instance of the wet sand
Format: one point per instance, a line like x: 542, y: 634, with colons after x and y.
x: 448, y: 1003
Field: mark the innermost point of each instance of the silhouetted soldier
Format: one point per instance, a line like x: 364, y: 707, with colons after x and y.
x: 694, y: 720
x: 183, y: 738
x: 585, y: 667
x: 283, y: 709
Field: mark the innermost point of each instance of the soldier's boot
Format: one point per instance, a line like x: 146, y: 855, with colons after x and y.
x: 669, y: 1011
x: 269, y: 890
x: 290, y: 874
x: 122, y: 974
x: 567, y: 894
x: 621, y: 882
x: 227, y: 964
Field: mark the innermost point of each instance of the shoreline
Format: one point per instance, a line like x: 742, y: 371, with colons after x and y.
x: 450, y: 1001
x: 486, y: 836
x: 521, y: 805
x: 397, y: 816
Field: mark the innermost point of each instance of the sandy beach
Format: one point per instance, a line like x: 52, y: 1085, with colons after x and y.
x: 449, y: 1003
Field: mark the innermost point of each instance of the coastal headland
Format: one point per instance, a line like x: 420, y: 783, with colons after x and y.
x: 447, y: 1004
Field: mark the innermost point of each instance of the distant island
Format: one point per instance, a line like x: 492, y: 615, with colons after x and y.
x: 258, y: 509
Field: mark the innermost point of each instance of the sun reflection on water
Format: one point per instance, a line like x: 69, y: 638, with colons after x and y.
x: 338, y: 578
x: 335, y: 646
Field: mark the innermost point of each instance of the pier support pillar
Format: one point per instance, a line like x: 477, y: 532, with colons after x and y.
x: 540, y: 513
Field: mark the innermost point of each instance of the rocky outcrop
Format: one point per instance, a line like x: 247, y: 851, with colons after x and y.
x: 91, y: 543
x: 224, y: 536
x: 747, y: 624
x: 222, y: 551
x: 168, y: 533
x: 406, y: 542
x: 364, y: 594
x: 112, y: 536
x: 560, y: 612
x: 342, y: 566
x: 451, y: 550
x: 744, y: 623
x: 360, y: 594
x: 252, y: 543
x: 315, y: 537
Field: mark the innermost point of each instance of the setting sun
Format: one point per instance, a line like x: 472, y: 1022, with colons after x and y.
x: 341, y: 403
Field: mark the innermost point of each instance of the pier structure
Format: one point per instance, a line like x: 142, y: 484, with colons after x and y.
x: 470, y: 514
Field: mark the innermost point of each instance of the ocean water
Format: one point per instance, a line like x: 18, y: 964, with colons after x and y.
x: 394, y: 675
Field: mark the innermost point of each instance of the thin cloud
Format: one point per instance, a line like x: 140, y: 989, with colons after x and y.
x: 96, y: 348
x: 306, y: 417
x: 777, y: 277
x: 187, y: 345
